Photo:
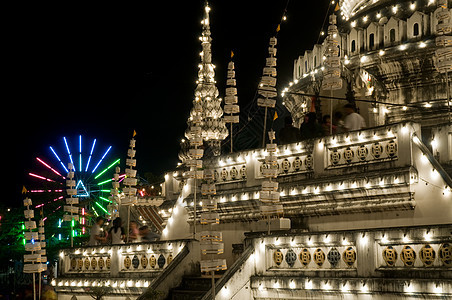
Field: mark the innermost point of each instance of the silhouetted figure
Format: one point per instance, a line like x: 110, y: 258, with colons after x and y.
x: 338, y: 122
x: 289, y: 134
x: 310, y: 129
x: 326, y: 125
x: 353, y: 120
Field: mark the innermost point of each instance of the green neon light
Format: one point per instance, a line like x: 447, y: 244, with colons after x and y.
x: 107, y: 168
x: 95, y: 212
x: 105, y: 199
x: 104, y: 182
x: 105, y: 191
x: 101, y: 207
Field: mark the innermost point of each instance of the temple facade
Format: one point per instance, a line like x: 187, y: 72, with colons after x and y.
x: 367, y: 214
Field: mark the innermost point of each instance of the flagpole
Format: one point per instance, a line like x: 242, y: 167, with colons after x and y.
x: 231, y: 137
x: 265, y: 126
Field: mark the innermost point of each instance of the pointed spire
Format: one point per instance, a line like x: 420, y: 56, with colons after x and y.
x: 206, y: 105
x: 332, y: 74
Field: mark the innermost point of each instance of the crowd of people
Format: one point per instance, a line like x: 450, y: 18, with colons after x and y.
x: 311, y: 128
x: 117, y: 235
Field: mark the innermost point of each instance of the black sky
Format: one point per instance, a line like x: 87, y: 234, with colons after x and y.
x: 104, y: 70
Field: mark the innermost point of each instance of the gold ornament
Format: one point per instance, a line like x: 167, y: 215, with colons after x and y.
x: 408, y: 256
x: 108, y: 262
x: 445, y: 254
x: 319, y: 257
x: 127, y: 262
x: 73, y: 263
x: 101, y: 263
x: 305, y: 257
x: 152, y: 261
x: 79, y: 263
x: 278, y: 257
x: 349, y: 256
x: 144, y: 261
x: 390, y: 256
x: 87, y: 263
x: 427, y: 255
x: 94, y: 263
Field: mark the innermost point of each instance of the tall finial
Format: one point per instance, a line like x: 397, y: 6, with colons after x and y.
x: 207, y: 111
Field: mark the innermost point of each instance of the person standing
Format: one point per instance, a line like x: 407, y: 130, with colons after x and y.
x: 134, y: 233
x: 289, y: 134
x: 327, y: 126
x: 117, y: 232
x: 147, y: 235
x: 96, y: 237
x: 353, y: 120
x: 310, y: 129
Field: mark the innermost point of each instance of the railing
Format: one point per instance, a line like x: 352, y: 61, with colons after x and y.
x: 117, y: 266
x: 399, y: 261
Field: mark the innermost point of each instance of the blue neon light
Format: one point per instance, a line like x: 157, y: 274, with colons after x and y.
x: 101, y: 159
x: 69, y: 152
x: 90, y: 154
x: 56, y: 155
x: 80, y: 152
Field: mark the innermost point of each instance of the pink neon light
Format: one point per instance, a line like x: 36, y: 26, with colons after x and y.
x: 40, y: 177
x: 53, y: 170
x: 56, y: 199
x: 122, y: 177
x: 44, y: 191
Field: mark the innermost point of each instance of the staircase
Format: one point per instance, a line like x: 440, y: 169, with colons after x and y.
x: 191, y: 288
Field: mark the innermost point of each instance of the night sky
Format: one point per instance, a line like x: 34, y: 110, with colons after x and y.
x: 104, y: 70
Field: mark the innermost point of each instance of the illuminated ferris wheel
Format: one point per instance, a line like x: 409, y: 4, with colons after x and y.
x: 93, y: 167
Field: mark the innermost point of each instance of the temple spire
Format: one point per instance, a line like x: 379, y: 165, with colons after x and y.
x: 206, y: 104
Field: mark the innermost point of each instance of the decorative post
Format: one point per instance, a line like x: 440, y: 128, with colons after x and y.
x: 35, y: 242
x: 332, y: 75
x: 114, y: 198
x: 195, y: 162
x: 130, y: 191
x: 267, y: 85
x: 442, y: 59
x: 211, y: 240
x: 212, y: 129
x: 71, y: 201
x: 231, y: 99
x: 269, y: 195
